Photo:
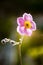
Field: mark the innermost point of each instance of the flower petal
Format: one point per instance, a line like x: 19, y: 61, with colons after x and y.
x: 20, y: 21
x: 27, y: 17
x: 33, y: 28
x: 20, y: 30
x: 28, y: 32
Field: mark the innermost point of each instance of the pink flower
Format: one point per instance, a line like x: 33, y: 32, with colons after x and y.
x: 26, y: 25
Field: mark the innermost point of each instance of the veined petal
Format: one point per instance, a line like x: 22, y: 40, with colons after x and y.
x: 20, y: 21
x: 33, y: 28
x: 27, y: 17
x: 20, y: 30
x: 28, y: 32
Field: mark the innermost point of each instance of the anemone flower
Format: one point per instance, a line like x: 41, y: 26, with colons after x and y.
x: 26, y: 25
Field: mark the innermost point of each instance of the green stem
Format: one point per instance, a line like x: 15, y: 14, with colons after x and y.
x: 20, y: 57
x: 20, y: 54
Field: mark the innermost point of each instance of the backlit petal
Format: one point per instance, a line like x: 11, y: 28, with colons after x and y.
x: 20, y: 21
x: 33, y: 28
x: 28, y: 32
x: 20, y: 30
x: 27, y: 17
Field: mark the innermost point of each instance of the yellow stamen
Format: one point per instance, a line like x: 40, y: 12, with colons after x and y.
x: 27, y: 24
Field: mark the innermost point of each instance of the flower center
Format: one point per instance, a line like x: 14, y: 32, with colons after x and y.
x: 27, y: 24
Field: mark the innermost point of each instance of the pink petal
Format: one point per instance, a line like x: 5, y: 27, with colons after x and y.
x: 20, y: 30
x: 27, y: 17
x: 33, y: 28
x: 20, y: 21
x: 28, y: 32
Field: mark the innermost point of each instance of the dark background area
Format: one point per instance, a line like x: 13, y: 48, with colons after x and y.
x: 19, y: 6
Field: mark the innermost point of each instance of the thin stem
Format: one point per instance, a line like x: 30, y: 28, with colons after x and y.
x: 19, y: 49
